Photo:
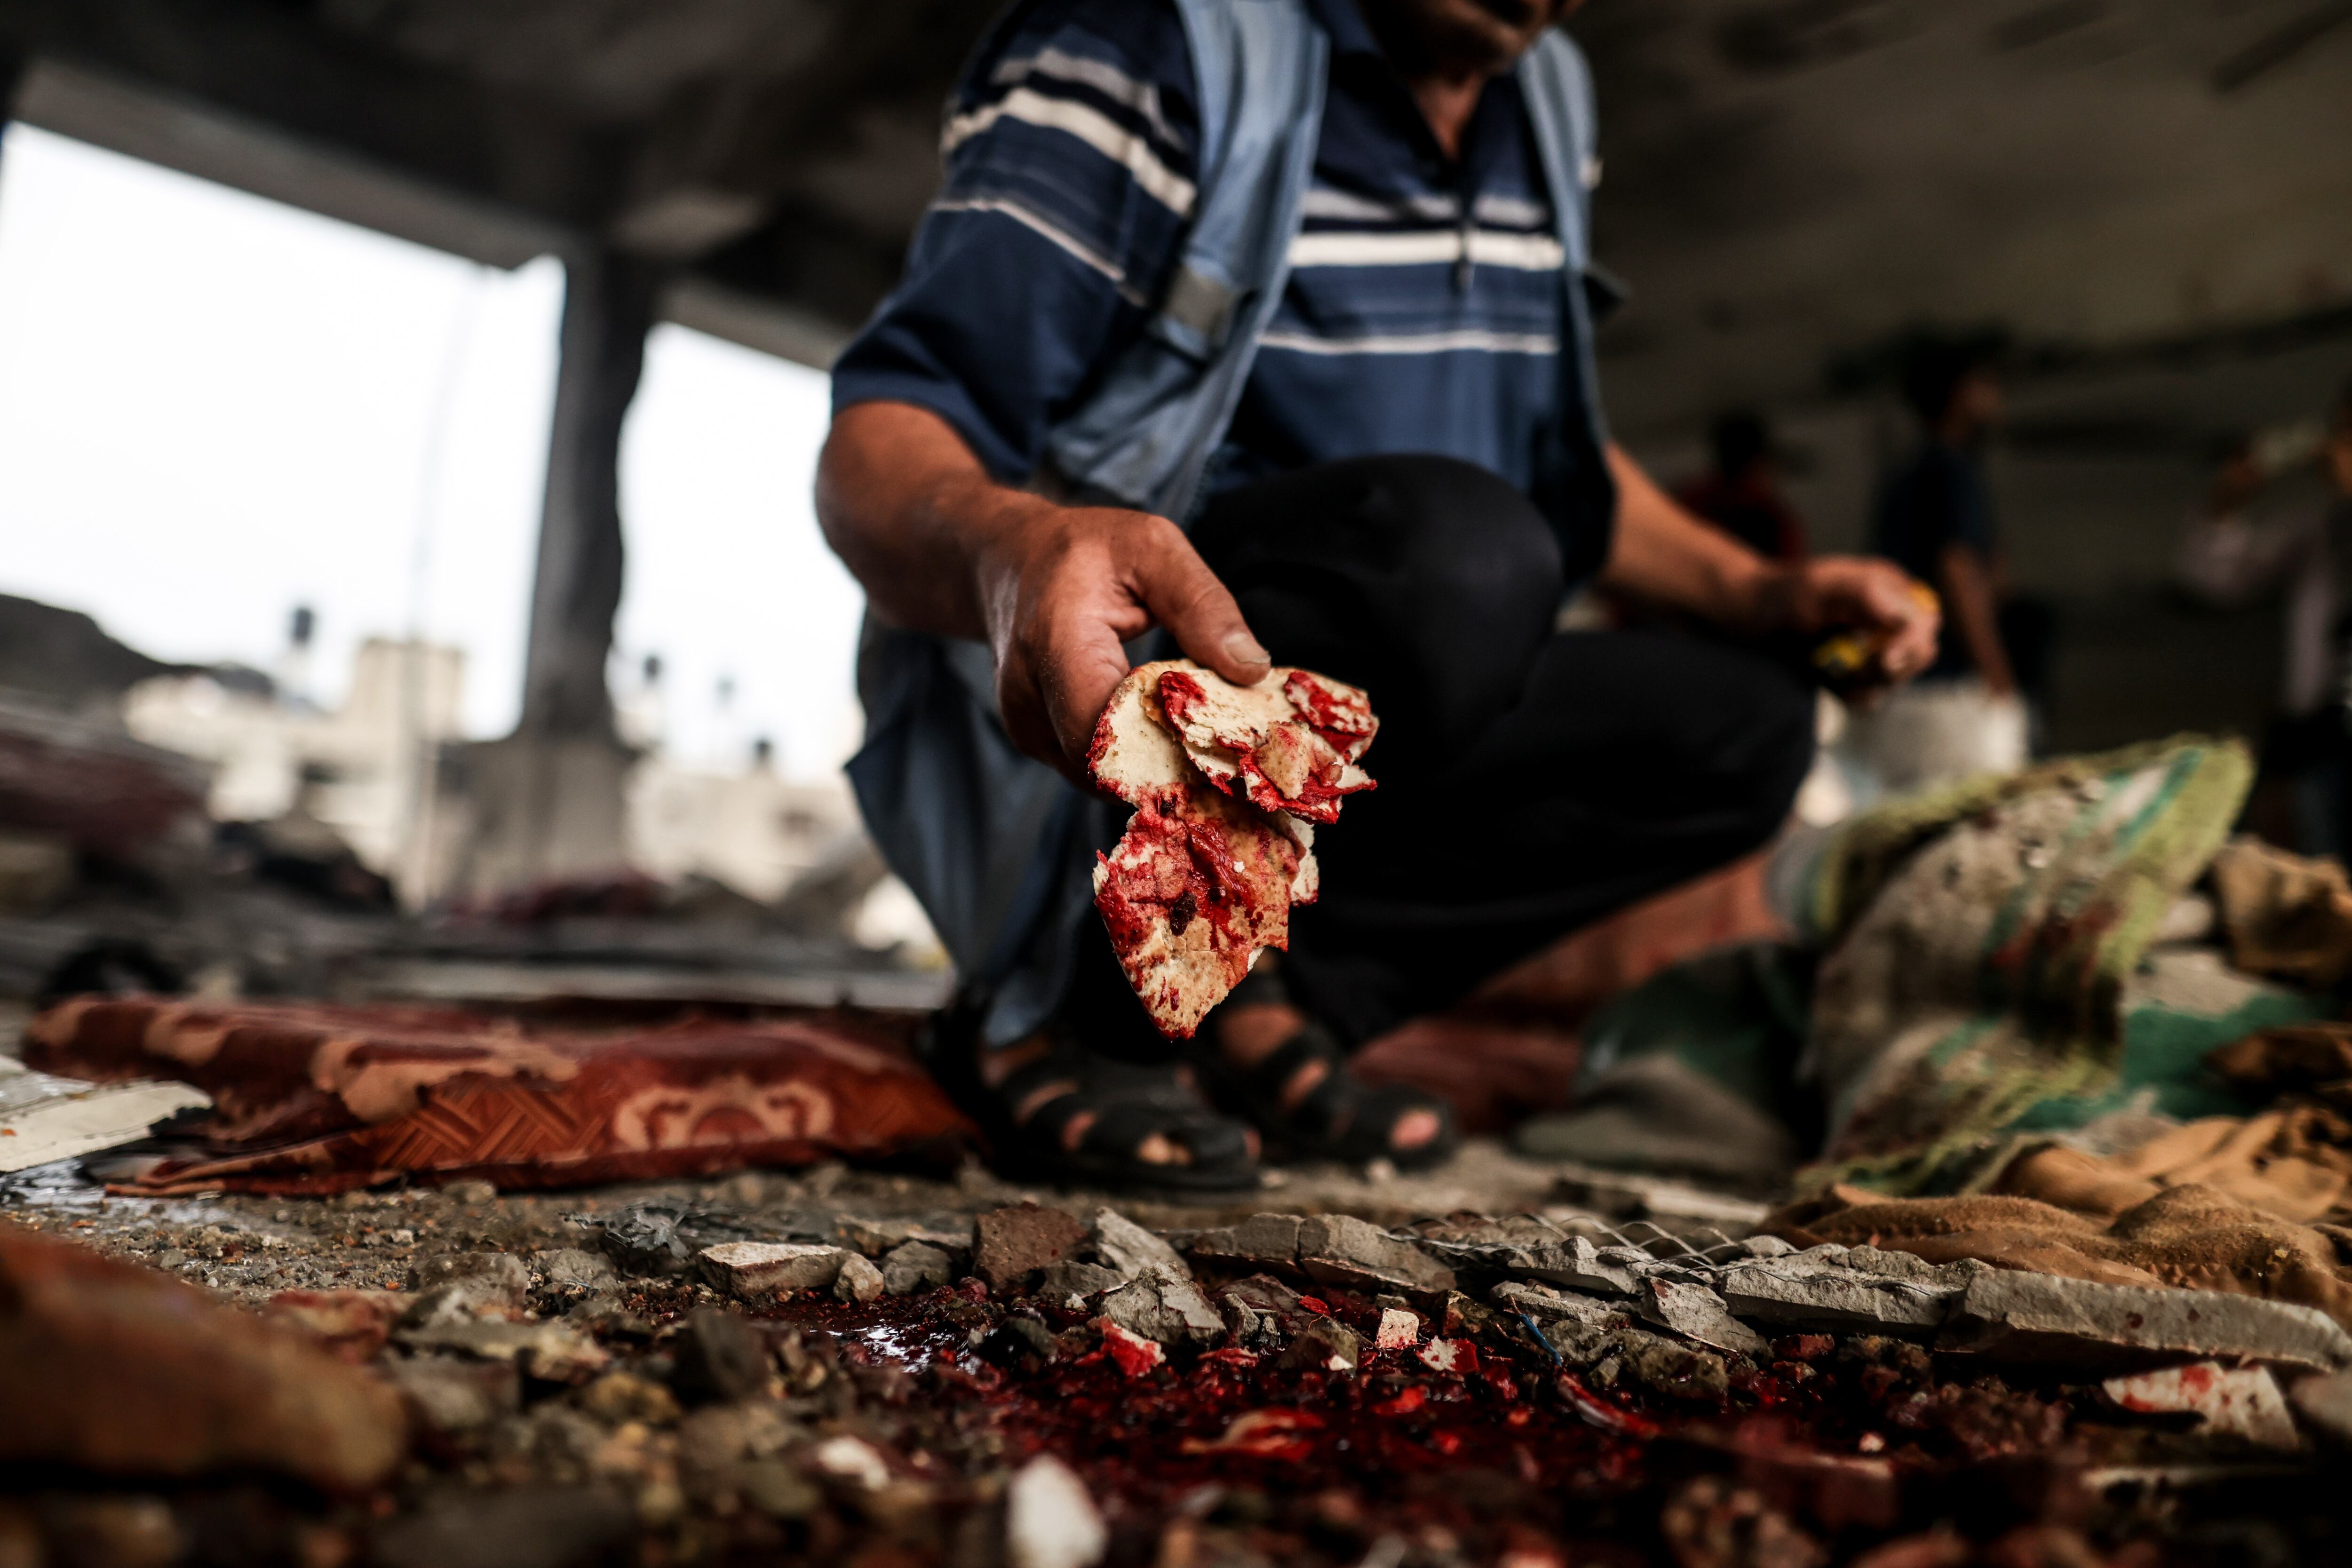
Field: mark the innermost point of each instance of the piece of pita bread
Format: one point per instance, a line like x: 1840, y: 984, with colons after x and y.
x: 1205, y: 876
x: 1289, y: 742
x: 1191, y: 897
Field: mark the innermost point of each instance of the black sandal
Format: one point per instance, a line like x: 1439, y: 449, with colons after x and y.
x: 1341, y: 1118
x: 1129, y: 1102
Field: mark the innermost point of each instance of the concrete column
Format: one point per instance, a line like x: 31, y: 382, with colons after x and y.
x: 608, y: 308
x: 548, y: 801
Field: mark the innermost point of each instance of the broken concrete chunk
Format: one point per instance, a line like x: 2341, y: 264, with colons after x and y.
x: 2324, y: 1404
x: 916, y: 1266
x: 858, y: 1280
x: 1464, y: 1317
x: 1325, y: 1344
x: 1125, y: 1246
x: 1698, y: 1313
x: 1255, y: 1309
x: 1399, y: 1331
x: 1264, y: 1240
x: 651, y: 1238
x: 1541, y: 1302
x: 1070, y: 1279
x: 551, y: 1352
x: 1264, y: 1293
x: 1578, y: 1328
x: 1813, y: 1293
x: 1012, y: 1246
x: 1017, y: 1339
x: 1912, y: 1266
x: 878, y: 1238
x: 2033, y: 1318
x: 1341, y: 1250
x: 1670, y: 1368
x: 751, y: 1269
x: 483, y: 1281
x: 570, y: 1269
x: 1170, y: 1311
x: 2242, y: 1402
x: 1579, y: 1264
x: 451, y: 1395
x: 722, y: 1356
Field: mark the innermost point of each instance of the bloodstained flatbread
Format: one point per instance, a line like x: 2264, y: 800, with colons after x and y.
x: 1201, y: 881
x: 1291, y: 743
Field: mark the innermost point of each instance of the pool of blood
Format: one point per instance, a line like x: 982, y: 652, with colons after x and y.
x: 1513, y: 1442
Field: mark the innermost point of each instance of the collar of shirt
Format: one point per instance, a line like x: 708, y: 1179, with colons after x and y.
x: 1374, y: 81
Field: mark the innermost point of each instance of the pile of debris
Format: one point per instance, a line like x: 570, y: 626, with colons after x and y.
x: 673, y: 1381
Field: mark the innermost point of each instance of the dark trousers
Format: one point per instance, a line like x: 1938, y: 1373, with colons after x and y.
x: 1529, y: 781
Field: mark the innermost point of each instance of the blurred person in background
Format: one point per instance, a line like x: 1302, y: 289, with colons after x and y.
x: 1742, y: 493
x: 2255, y: 536
x: 1934, y: 517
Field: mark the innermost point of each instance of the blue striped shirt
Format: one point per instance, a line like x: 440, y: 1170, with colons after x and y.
x: 1423, y: 311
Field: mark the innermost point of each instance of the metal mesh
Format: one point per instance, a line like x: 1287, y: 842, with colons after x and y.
x: 1703, y: 1246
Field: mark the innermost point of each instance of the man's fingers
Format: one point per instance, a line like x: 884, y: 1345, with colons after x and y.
x: 1075, y: 679
x: 1029, y: 721
x: 1185, y: 597
x: 1914, y: 619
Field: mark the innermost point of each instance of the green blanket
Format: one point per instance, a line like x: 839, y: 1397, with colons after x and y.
x: 1986, y: 978
x: 1981, y: 939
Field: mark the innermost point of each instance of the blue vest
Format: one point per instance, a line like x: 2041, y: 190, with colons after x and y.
x: 998, y: 848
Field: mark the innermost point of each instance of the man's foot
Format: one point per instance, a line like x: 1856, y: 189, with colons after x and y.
x: 1075, y: 1115
x: 1293, y: 1078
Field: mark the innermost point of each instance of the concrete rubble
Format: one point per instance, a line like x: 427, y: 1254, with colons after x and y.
x: 806, y: 1378
x: 2018, y: 1317
x: 751, y: 1269
x: 1835, y: 1290
x: 1698, y: 1313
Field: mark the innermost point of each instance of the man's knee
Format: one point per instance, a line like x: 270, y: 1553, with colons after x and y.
x: 1769, y: 765
x: 1432, y: 529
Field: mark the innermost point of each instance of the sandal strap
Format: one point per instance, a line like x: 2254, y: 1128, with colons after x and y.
x: 1315, y: 1112
x: 1341, y: 1117
x: 1128, y: 1108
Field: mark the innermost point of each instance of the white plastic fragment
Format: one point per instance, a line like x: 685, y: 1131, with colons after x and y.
x: 1050, y: 1519
x: 852, y: 1459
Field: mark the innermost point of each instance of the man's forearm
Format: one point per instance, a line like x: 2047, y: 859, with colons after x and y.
x: 908, y: 508
x: 1663, y: 557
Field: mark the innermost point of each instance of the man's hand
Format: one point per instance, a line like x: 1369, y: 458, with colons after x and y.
x: 942, y: 548
x: 1877, y: 600
x: 1061, y: 587
x: 1663, y: 555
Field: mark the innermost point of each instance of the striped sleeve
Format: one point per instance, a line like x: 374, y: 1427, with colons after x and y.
x: 1070, y: 152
